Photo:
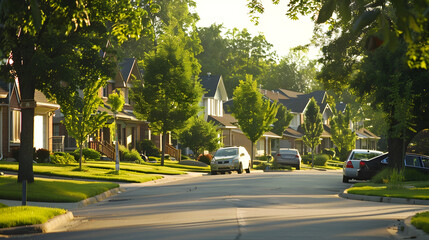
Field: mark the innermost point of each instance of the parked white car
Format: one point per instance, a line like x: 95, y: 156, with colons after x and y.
x: 352, y: 164
x: 230, y: 159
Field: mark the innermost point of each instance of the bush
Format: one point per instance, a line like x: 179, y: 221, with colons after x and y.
x: 153, y: 159
x: 415, y: 175
x: 87, y: 153
x: 320, y: 159
x: 62, y: 158
x: 148, y: 148
x: 385, y: 176
x: 42, y: 155
x: 132, y: 156
x: 329, y: 152
x: 267, y: 158
x: 206, y: 158
x: 185, y: 157
x: 306, y: 159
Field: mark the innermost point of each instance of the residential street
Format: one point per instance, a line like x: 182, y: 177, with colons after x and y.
x: 278, y: 205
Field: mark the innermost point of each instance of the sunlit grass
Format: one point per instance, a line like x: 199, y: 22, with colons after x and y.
x: 421, y: 221
x: 26, y: 215
x: 47, y: 190
x: 414, y: 190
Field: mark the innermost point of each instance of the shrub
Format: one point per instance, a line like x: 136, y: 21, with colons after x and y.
x: 88, y: 153
x: 153, y: 159
x: 206, y: 158
x: 329, y: 152
x: 386, y: 176
x: 306, y: 159
x: 42, y: 155
x: 415, y: 175
x: 267, y: 158
x: 320, y: 159
x: 132, y: 156
x: 148, y: 148
x: 62, y: 158
x: 122, y: 151
x: 185, y: 157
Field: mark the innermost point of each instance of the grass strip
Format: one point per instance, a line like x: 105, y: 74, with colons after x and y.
x: 415, y: 190
x: 421, y: 221
x: 49, y: 190
x: 133, y: 167
x: 87, y: 172
x: 27, y: 215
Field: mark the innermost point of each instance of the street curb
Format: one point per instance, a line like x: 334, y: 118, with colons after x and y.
x: 48, y: 226
x: 405, y: 230
x: 383, y: 199
x: 60, y: 220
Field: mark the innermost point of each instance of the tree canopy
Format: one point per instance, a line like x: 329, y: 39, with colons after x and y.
x: 342, y: 135
x: 312, y: 127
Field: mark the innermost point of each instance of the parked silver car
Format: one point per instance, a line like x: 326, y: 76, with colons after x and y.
x: 230, y: 159
x: 288, y: 156
x: 353, y: 162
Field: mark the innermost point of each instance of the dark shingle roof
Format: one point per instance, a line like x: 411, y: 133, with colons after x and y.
x: 227, y: 120
x: 340, y: 107
x: 210, y: 83
x: 126, y: 67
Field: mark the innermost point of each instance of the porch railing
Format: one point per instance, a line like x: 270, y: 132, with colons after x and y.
x: 173, y: 152
x: 104, y: 148
x: 57, y: 143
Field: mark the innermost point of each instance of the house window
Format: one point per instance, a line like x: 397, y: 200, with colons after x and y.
x: 127, y: 100
x: 15, y: 130
x: 105, y: 91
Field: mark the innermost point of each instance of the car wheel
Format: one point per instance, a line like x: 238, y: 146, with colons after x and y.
x: 298, y: 167
x: 240, y: 169
x: 213, y: 172
x: 345, y: 179
x: 248, y: 170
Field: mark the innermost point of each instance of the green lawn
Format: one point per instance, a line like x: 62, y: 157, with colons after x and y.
x: 421, y: 221
x: 414, y: 190
x: 49, y: 190
x: 26, y: 215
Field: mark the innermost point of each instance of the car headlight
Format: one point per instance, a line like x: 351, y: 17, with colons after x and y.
x: 213, y: 161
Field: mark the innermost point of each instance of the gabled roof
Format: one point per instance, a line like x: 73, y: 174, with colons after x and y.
x: 274, y: 95
x: 227, y: 120
x: 126, y: 67
x: 212, y: 84
x: 340, y: 107
x: 289, y: 93
x: 365, y: 133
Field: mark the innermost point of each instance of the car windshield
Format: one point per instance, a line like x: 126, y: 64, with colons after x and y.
x: 284, y: 151
x: 364, y: 155
x: 224, y: 152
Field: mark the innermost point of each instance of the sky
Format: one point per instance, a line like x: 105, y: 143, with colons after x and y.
x: 279, y: 30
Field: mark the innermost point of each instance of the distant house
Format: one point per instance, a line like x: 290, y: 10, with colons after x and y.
x: 11, y: 119
x: 130, y: 129
x: 297, y: 103
x: 216, y: 103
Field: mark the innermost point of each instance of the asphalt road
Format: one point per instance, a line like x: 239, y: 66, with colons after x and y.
x: 287, y: 205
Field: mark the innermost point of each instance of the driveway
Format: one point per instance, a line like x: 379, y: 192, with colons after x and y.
x: 286, y: 205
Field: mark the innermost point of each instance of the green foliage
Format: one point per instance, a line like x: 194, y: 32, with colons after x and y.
x: 27, y: 215
x: 148, y: 148
x: 392, y: 177
x: 306, y: 159
x: 88, y: 153
x: 421, y: 221
x: 116, y: 101
x: 62, y: 158
x: 321, y: 159
x: 200, y: 135
x: 42, y: 155
x: 205, y: 158
x: 342, y: 136
x: 255, y: 115
x: 313, y: 125
x: 329, y: 152
x: 284, y: 117
x: 132, y: 156
x: 171, y: 91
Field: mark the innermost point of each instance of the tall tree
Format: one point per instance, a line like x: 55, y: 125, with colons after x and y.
x: 313, y: 127
x: 284, y: 117
x: 254, y: 113
x: 48, y: 44
x: 116, y: 102
x: 342, y: 135
x: 200, y: 135
x: 81, y: 116
x: 171, y: 90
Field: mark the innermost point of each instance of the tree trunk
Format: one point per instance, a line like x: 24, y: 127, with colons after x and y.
x: 312, y: 157
x: 116, y: 145
x: 252, y: 151
x: 25, y: 157
x: 164, y: 133
x: 396, y: 153
x: 80, y: 158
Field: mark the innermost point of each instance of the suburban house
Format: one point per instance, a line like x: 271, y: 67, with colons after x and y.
x: 297, y: 103
x: 215, y: 102
x: 130, y: 130
x: 10, y: 120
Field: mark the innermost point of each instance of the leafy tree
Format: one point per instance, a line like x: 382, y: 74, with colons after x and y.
x: 342, y: 136
x: 54, y: 45
x: 284, y: 117
x: 116, y: 101
x: 254, y: 113
x: 171, y: 92
x: 200, y: 135
x: 215, y: 53
x: 313, y: 127
x: 81, y: 117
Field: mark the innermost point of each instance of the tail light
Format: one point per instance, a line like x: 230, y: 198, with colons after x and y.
x: 362, y: 164
x: 297, y: 156
x: 278, y: 155
x: 349, y: 164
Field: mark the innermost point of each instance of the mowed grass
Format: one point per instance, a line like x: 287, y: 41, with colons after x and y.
x: 26, y: 215
x: 414, y: 190
x: 106, y: 173
x: 47, y: 190
x: 421, y: 221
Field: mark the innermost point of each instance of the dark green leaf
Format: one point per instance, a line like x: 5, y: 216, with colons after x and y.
x: 365, y: 19
x: 36, y: 13
x: 326, y: 11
